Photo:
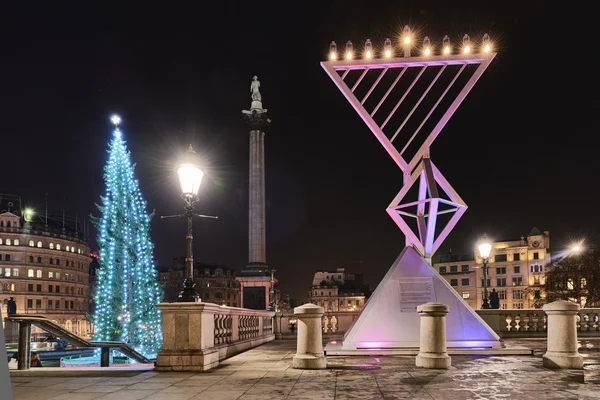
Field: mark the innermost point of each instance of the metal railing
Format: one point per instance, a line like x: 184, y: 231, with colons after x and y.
x: 26, y: 321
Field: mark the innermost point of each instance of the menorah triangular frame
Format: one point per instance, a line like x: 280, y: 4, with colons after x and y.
x: 397, y: 326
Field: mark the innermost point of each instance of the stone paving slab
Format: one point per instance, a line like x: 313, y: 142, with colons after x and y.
x: 266, y: 373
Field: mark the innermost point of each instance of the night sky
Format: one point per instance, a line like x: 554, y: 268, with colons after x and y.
x: 515, y: 150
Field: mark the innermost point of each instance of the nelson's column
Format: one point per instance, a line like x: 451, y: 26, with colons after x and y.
x: 256, y: 278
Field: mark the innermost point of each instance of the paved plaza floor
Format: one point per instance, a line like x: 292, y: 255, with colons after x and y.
x: 266, y: 373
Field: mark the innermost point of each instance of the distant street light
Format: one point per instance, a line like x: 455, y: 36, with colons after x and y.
x: 190, y: 177
x: 484, y: 251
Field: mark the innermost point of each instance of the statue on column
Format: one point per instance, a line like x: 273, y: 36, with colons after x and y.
x: 254, y: 89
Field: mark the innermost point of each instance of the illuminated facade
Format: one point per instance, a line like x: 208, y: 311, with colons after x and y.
x: 516, y: 270
x: 44, y: 265
x: 337, y: 290
x: 214, y: 283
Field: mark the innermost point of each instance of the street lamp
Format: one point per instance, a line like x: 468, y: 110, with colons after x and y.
x: 484, y: 251
x: 272, y: 291
x: 190, y: 177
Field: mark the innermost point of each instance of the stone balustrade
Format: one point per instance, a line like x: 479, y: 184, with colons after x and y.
x: 196, y: 336
x: 512, y: 323
x: 333, y: 322
x: 533, y: 323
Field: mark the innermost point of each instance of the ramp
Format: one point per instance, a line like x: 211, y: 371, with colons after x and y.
x: 389, y: 320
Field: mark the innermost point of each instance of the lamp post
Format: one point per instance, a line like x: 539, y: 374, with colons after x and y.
x: 484, y: 251
x: 272, y: 291
x: 190, y: 177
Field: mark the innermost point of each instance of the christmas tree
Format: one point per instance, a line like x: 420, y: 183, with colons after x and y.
x: 127, y: 289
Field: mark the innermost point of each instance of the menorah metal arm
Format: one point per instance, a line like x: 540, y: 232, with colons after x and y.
x: 205, y: 216
x: 172, y: 216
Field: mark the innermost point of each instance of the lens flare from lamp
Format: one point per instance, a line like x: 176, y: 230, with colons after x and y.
x: 387, y: 48
x: 349, y: 49
x: 426, y: 46
x: 466, y: 44
x: 487, y: 47
x: 190, y: 175
x: 406, y: 39
x: 446, y: 44
x: 484, y: 249
x: 333, y: 51
x: 368, y: 49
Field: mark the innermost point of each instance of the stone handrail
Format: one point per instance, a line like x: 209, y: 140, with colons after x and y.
x: 196, y: 336
x: 506, y: 323
x: 333, y: 322
x: 533, y: 323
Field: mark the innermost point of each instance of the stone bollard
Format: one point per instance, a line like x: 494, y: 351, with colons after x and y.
x: 562, y: 336
x: 309, y: 348
x: 432, y: 349
x: 277, y: 325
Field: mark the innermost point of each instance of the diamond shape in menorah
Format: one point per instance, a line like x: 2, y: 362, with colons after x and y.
x: 406, y: 102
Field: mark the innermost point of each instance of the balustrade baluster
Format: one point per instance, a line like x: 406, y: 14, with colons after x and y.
x: 509, y: 320
x: 535, y: 320
x: 525, y: 323
x: 585, y: 325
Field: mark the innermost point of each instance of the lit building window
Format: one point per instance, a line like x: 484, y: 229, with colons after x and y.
x: 0, y: 241
x: 16, y: 242
x: 57, y: 246
x: 72, y: 249
x: 51, y: 246
x: 8, y: 242
x: 12, y: 287
x: 50, y: 275
x: 31, y: 243
x: 67, y: 248
x: 466, y: 295
x: 39, y: 244
x: 30, y: 273
x: 15, y: 271
x: 7, y: 273
x: 39, y: 273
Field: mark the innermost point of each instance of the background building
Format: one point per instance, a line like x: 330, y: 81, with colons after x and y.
x: 214, y: 283
x: 516, y: 269
x: 44, y: 265
x: 338, y: 290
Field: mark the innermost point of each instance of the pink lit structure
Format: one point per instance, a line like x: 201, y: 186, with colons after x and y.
x: 428, y: 89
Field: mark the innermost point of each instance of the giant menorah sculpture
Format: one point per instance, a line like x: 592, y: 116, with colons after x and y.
x: 406, y: 102
x: 418, y: 168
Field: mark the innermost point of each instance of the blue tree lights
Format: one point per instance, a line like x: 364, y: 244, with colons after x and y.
x: 127, y: 289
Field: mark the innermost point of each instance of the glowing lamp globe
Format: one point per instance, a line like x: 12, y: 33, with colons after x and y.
x: 484, y: 249
x: 189, y: 174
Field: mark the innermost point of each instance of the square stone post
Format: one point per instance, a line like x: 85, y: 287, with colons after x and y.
x: 188, y: 337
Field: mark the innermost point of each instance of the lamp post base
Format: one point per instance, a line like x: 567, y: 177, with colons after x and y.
x: 485, y: 305
x: 188, y: 294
